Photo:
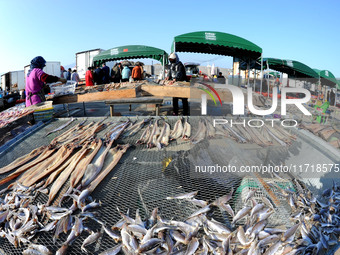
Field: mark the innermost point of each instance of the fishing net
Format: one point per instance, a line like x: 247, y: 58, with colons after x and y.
x: 144, y: 178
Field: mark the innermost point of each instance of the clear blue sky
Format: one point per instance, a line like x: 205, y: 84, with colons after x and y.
x: 307, y: 31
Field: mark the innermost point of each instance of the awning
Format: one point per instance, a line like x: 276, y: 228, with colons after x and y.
x: 131, y: 52
x: 216, y: 43
x: 293, y: 68
x: 326, y: 77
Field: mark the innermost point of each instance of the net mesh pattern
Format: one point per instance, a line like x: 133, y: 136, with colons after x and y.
x: 140, y: 181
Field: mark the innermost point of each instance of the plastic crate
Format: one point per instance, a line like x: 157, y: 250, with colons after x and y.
x: 65, y: 89
x: 43, y: 115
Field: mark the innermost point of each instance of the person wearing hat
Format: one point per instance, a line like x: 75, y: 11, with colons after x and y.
x: 177, y: 73
x: 35, y: 81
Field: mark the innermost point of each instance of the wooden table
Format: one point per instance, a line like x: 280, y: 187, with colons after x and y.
x: 138, y: 100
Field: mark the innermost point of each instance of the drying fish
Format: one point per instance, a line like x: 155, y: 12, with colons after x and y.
x: 134, y: 129
x: 177, y: 131
x: 61, y: 127
x: 186, y: 130
x: 90, y: 239
x: 112, y: 251
x: 93, y: 170
x: 189, y: 195
x: 163, y: 139
x: 151, y: 142
x: 119, y: 151
x: 22, y: 160
x: 200, y: 134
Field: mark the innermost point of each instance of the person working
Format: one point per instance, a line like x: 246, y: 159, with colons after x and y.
x: 116, y: 73
x: 126, y: 73
x: 36, y: 78
x: 221, y: 78
x: 75, y: 76
x: 137, y: 72
x: 69, y: 72
x: 177, y: 73
x: 89, y: 77
x: 98, y: 76
x: 106, y: 74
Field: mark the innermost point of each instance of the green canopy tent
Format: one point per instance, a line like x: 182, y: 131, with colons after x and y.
x: 293, y: 68
x: 211, y: 42
x: 326, y: 77
x: 132, y: 52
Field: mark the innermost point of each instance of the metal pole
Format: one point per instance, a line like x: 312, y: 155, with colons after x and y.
x: 261, y: 74
x: 248, y: 72
x: 239, y: 74
x: 255, y: 78
x: 163, y: 75
x: 232, y: 77
x: 268, y: 88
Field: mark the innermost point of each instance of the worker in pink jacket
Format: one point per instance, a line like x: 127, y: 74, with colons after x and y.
x: 35, y: 81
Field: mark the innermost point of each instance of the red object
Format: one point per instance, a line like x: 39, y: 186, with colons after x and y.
x: 19, y: 101
x: 265, y: 94
x: 89, y: 78
x: 136, y: 73
x: 125, y: 50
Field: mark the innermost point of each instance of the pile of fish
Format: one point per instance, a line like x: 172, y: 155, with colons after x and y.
x: 262, y: 136
x: 319, y: 221
x: 329, y: 133
x: 120, y: 85
x: 315, y: 228
x: 156, y: 135
x: 74, y: 160
x: 13, y: 113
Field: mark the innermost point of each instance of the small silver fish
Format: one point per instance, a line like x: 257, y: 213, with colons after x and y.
x: 90, y: 239
x: 112, y: 251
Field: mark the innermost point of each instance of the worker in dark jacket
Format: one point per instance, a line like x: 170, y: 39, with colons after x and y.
x: 105, y: 73
x: 98, y: 76
x: 177, y: 73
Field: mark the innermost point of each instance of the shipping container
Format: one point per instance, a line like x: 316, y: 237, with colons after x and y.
x: 51, y: 68
x: 84, y: 60
x: 13, y: 81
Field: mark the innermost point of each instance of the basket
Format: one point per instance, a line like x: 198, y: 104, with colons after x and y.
x: 65, y: 89
x: 43, y: 115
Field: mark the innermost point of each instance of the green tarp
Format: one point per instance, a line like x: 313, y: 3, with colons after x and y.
x: 216, y: 43
x: 327, y: 78
x: 293, y: 68
x: 131, y: 52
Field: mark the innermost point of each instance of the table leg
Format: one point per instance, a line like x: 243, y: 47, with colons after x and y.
x: 157, y: 109
x: 111, y: 110
x: 84, y: 108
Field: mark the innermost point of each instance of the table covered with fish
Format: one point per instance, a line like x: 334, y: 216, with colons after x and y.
x: 128, y: 186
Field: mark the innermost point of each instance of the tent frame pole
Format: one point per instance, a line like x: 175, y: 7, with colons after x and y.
x: 163, y: 74
x: 255, y: 78
x: 248, y: 72
x: 261, y: 78
x: 268, y: 87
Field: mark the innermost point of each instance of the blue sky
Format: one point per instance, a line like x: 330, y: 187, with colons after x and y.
x: 306, y: 31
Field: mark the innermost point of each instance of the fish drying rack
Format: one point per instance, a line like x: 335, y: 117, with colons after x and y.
x: 140, y: 181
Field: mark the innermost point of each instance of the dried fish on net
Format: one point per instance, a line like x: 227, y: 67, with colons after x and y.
x: 200, y: 233
x: 45, y: 170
